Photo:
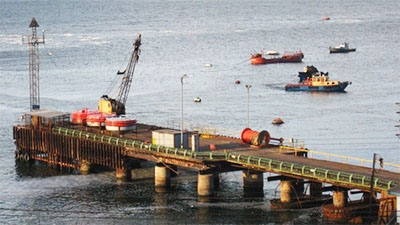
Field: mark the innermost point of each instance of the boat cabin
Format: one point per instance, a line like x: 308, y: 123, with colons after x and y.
x: 320, y: 80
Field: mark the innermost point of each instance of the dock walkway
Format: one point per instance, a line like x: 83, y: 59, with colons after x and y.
x: 231, y: 153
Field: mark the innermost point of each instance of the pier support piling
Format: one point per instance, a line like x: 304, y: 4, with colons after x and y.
x: 85, y: 167
x: 339, y: 198
x: 253, y: 182
x: 291, y: 190
x: 287, y: 193
x: 123, y: 174
x: 162, y: 177
x: 315, y: 189
x: 205, y: 183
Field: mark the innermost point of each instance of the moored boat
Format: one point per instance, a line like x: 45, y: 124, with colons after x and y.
x: 120, y: 123
x: 342, y: 48
x: 287, y: 57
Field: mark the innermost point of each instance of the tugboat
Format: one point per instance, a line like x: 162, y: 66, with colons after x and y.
x: 313, y: 80
x: 287, y: 57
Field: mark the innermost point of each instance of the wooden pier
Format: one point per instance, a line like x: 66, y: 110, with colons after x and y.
x: 49, y: 136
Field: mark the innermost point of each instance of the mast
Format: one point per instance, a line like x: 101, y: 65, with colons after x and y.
x: 33, y: 42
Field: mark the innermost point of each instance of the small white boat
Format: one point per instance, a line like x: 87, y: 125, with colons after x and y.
x: 197, y: 99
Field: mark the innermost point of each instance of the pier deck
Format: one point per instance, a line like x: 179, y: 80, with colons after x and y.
x: 228, y: 154
x: 59, y: 142
x: 225, y: 144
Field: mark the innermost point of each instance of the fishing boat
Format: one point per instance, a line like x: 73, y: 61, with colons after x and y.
x: 287, y: 57
x: 318, y: 83
x: 342, y: 48
x: 120, y: 123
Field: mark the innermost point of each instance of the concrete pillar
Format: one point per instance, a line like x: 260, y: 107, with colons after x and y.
x: 162, y: 176
x: 205, y: 183
x: 339, y: 198
x: 315, y: 189
x: 123, y: 174
x: 253, y: 181
x: 287, y: 191
x: 85, y: 167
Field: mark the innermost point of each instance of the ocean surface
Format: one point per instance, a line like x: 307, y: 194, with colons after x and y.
x: 87, y: 42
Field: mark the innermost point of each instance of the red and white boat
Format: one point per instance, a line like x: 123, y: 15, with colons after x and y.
x: 120, y: 123
x: 80, y: 117
x: 97, y: 119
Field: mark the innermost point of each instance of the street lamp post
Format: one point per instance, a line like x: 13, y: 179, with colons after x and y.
x: 182, y: 77
x: 248, y: 107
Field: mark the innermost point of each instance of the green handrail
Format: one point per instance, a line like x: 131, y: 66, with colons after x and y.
x: 263, y: 164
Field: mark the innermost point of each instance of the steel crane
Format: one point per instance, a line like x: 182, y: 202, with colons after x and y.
x: 116, y: 105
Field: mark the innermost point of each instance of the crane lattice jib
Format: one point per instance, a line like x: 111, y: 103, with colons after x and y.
x: 128, y: 73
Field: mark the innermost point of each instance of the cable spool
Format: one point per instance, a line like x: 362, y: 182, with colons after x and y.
x: 256, y: 138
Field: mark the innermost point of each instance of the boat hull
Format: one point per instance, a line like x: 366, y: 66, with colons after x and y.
x: 257, y: 59
x: 334, y: 50
x: 327, y: 88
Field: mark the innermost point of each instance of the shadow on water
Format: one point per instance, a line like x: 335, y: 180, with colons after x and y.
x: 37, y: 169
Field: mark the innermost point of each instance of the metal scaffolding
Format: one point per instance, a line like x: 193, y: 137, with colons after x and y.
x: 33, y: 41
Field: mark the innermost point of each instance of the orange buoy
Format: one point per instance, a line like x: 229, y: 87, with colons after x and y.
x: 277, y: 121
x: 252, y: 137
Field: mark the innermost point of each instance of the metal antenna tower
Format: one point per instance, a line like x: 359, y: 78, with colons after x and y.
x: 33, y: 41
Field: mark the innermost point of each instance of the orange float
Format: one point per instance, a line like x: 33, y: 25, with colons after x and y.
x: 120, y: 124
x: 97, y: 119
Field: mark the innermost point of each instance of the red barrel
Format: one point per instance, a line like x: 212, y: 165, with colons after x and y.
x: 252, y: 137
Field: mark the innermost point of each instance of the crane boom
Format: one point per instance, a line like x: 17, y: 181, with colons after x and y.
x: 128, y: 75
x: 117, y: 104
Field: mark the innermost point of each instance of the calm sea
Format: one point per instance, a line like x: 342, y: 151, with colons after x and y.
x: 87, y: 42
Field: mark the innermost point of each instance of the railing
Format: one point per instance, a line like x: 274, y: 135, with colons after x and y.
x: 339, y: 158
x: 263, y: 164
x: 321, y: 174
